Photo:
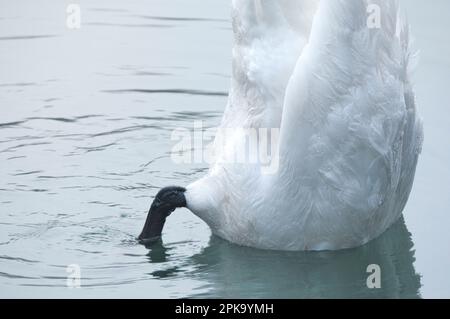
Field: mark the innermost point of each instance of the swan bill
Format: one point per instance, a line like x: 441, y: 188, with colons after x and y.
x: 166, y: 201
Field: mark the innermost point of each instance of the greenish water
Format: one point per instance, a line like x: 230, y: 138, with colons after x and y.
x: 86, y: 120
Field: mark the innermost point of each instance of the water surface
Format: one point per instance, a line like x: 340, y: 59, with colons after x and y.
x: 86, y: 119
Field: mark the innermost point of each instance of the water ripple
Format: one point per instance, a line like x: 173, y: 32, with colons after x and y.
x: 106, y: 24
x: 126, y: 130
x: 23, y: 145
x: 95, y: 148
x: 13, y: 276
x: 169, y: 91
x: 19, y: 259
x: 11, y: 124
x: 181, y: 19
x: 27, y: 173
x: 57, y: 119
x: 27, y: 37
x: 19, y: 84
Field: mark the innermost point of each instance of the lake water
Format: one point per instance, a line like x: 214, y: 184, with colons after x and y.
x: 86, y: 117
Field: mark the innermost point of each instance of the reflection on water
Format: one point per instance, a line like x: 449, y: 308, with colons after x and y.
x: 231, y: 271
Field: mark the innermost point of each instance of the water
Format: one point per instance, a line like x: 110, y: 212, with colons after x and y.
x: 86, y: 118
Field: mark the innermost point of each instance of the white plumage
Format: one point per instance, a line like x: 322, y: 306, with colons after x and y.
x: 350, y: 135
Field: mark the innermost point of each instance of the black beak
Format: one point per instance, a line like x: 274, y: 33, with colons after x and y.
x: 165, y: 202
x: 153, y: 226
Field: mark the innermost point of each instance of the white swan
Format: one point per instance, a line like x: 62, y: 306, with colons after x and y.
x: 338, y: 88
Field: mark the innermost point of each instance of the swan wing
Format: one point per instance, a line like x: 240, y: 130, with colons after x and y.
x: 350, y: 135
x: 268, y: 37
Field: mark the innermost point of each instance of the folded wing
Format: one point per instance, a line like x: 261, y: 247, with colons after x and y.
x: 268, y: 39
x: 350, y: 131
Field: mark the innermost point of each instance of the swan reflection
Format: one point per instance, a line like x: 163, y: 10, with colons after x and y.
x: 230, y: 271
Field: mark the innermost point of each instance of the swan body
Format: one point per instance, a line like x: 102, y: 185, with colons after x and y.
x: 349, y: 133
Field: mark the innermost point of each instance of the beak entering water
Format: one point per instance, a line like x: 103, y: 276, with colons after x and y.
x: 166, y: 201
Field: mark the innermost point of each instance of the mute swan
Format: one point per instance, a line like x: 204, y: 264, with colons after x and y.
x: 338, y: 89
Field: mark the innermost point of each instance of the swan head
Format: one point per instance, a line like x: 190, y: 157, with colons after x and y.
x: 166, y: 201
